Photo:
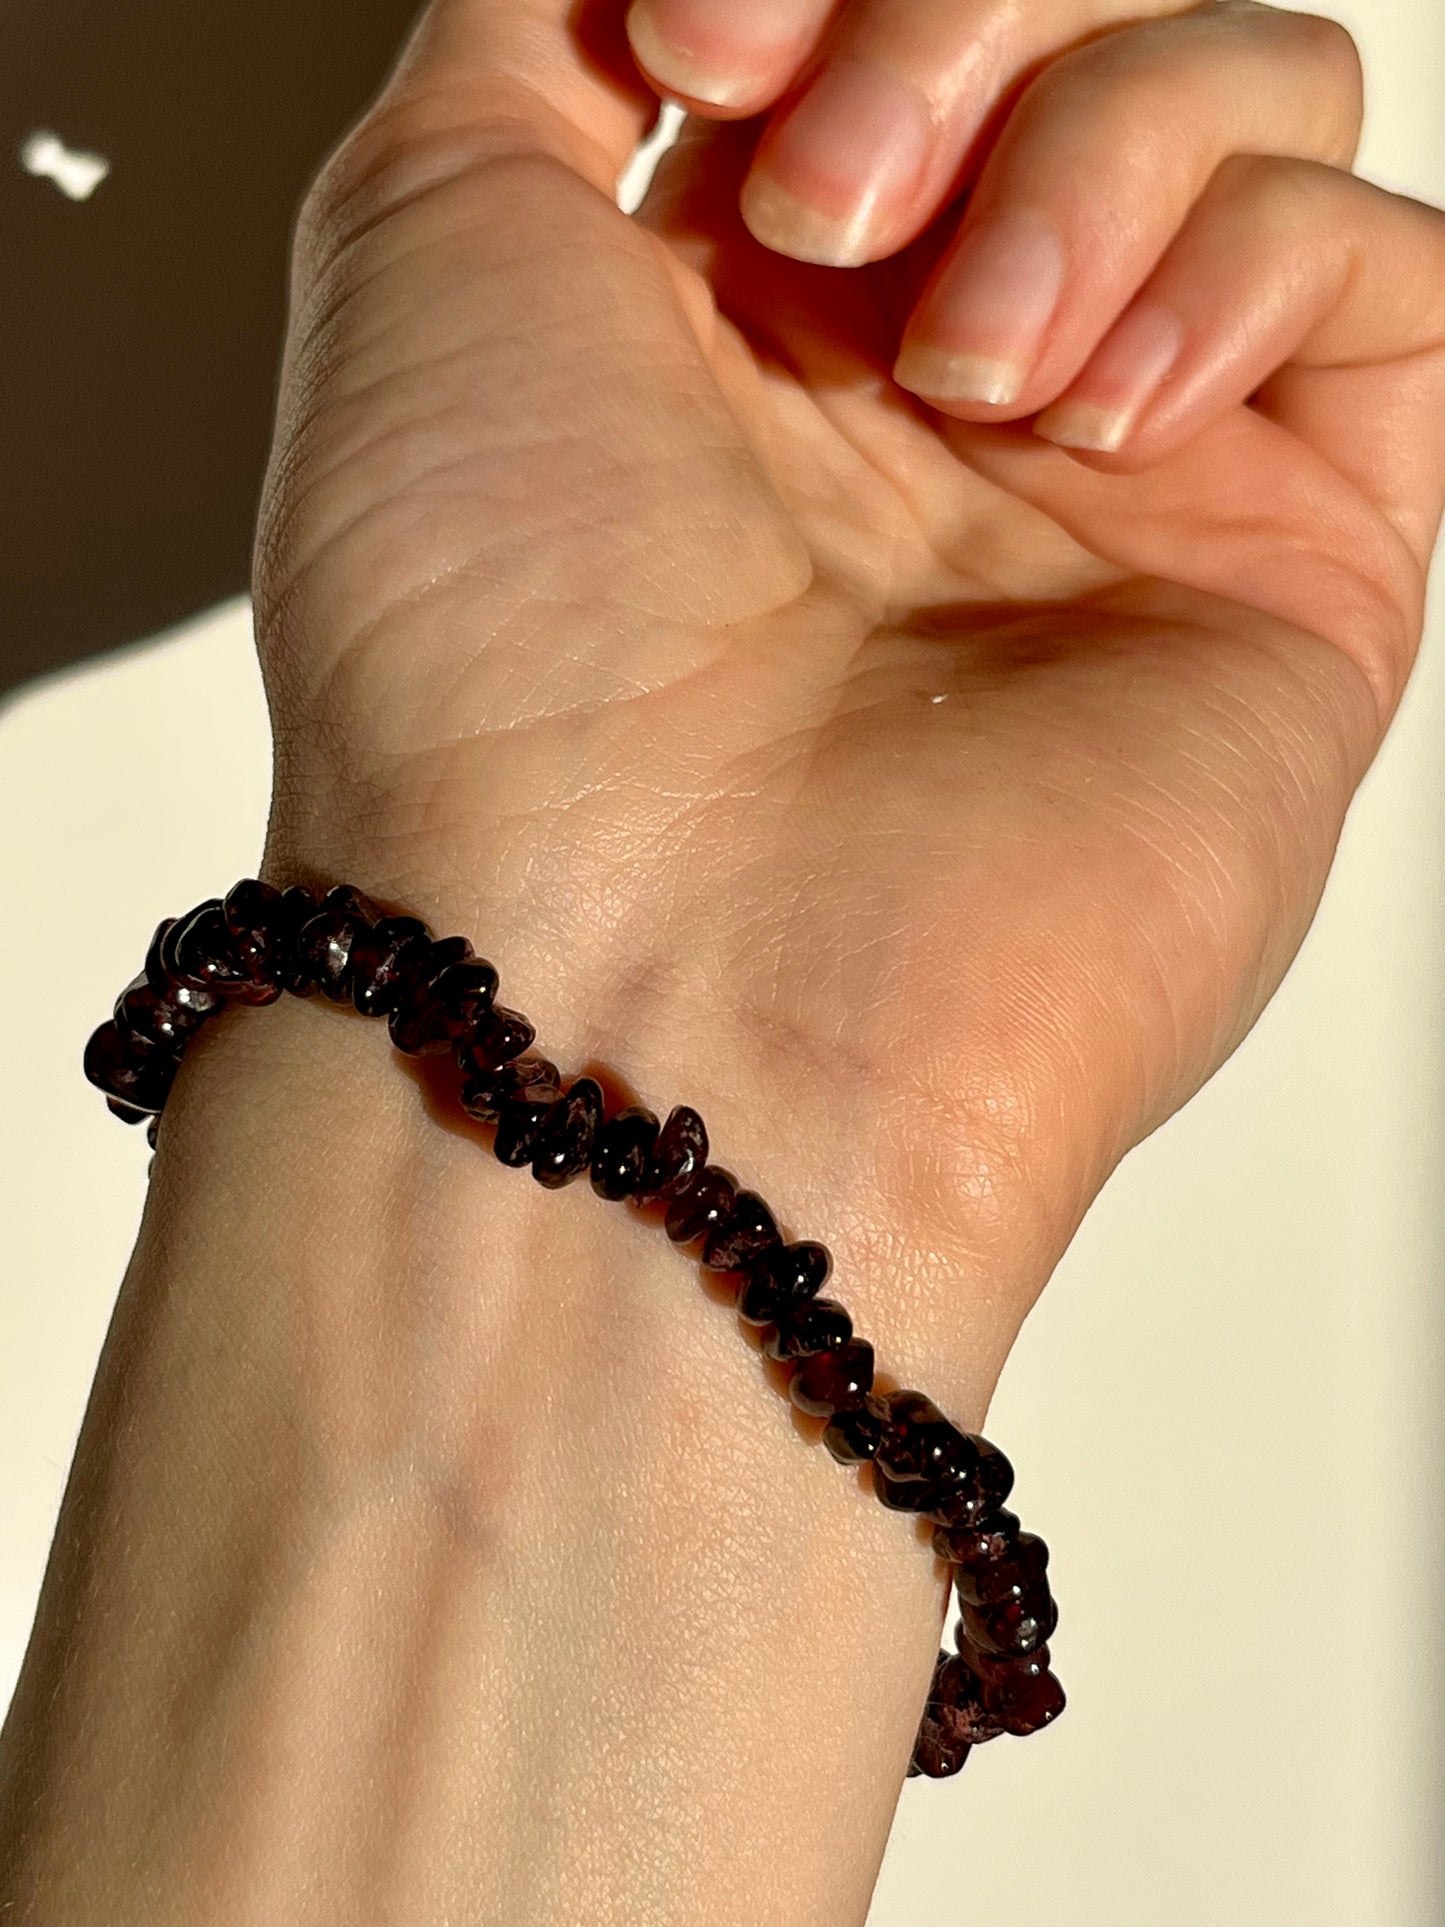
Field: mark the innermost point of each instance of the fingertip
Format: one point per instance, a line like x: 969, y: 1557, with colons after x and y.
x: 684, y: 73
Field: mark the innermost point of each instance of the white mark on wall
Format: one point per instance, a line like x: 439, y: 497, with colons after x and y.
x: 76, y: 174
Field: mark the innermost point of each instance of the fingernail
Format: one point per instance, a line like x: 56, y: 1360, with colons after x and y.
x: 982, y: 323
x: 834, y: 177
x: 694, y: 63
x: 1107, y: 400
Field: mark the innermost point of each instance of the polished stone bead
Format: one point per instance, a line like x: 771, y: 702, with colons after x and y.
x: 957, y: 1702
x: 205, y: 955
x: 1016, y: 1627
x: 794, y: 1271
x: 156, y: 974
x: 1014, y: 1575
x: 1022, y: 1694
x: 971, y: 1497
x: 252, y: 911
x: 833, y: 1381
x: 521, y: 1121
x: 323, y: 948
x: 852, y: 1436
x: 497, y: 1039
x: 922, y: 1444
x: 381, y: 960
x: 424, y: 1024
x: 678, y: 1156
x: 936, y: 1753
x: 704, y: 1205
x: 167, y: 970
x: 530, y: 1076
x: 802, y: 1328
x: 977, y: 1545
x: 564, y: 1150
x: 623, y: 1151
x: 127, y: 1113
x: 299, y: 905
x: 343, y: 898
x: 159, y: 1022
x: 995, y: 1474
x: 122, y: 1068
x: 743, y: 1236
x: 899, y: 1495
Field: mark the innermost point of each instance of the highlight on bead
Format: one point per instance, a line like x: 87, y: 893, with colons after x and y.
x: 439, y: 998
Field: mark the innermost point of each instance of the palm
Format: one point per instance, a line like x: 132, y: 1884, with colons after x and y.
x: 970, y: 791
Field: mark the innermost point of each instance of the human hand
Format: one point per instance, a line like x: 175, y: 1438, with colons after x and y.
x: 934, y: 806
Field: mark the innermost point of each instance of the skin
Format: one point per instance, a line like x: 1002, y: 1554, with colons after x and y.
x: 934, y: 804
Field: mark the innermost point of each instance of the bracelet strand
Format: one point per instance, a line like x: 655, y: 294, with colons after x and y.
x: 438, y: 997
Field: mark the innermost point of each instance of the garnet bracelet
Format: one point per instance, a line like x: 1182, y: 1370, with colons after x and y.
x: 438, y: 996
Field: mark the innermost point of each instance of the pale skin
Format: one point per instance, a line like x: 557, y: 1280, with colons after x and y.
x: 931, y: 778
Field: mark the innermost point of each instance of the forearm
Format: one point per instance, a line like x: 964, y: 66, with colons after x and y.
x: 435, y: 1549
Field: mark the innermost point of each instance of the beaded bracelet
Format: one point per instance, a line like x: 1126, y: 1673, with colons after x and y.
x: 438, y: 996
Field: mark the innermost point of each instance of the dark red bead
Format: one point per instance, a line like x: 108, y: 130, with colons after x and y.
x: 834, y: 1381
x: 899, y: 1495
x: 167, y: 970
x: 977, y: 1492
x: 852, y: 1436
x: 1016, y: 1627
x: 252, y: 912
x: 564, y: 1150
x: 342, y: 897
x: 1024, y: 1697
x: 206, y: 955
x: 156, y: 974
x: 991, y: 1582
x: 381, y: 960
x: 744, y: 1235
x: 120, y: 1067
x: 678, y: 1156
x: 806, y: 1326
x: 424, y: 1022
x: 127, y: 1113
x: 158, y: 1022
x: 794, y: 1271
x: 521, y: 1121
x: 530, y: 1076
x: 299, y: 905
x: 977, y: 1545
x: 922, y: 1444
x: 995, y: 1474
x: 703, y: 1206
x: 958, y: 1703
x: 936, y: 1753
x: 499, y: 1037
x: 623, y: 1151
x: 323, y: 949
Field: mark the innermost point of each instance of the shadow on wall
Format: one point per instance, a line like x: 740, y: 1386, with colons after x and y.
x: 143, y: 303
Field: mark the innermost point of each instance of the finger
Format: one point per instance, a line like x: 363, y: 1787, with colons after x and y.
x: 1094, y: 174
x: 731, y: 59
x: 1280, y: 262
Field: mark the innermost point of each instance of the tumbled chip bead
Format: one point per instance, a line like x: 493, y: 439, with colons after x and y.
x: 299, y: 905
x: 922, y: 1444
x: 530, y: 1076
x: 324, y: 945
x: 381, y: 959
x: 497, y: 1038
x: 833, y: 1381
x: 977, y: 1545
x: 564, y: 1150
x: 123, y: 1069
x: 744, y: 1235
x: 205, y: 953
x: 1024, y: 1696
x: 678, y: 1155
x: 794, y: 1271
x: 958, y: 1702
x: 991, y: 1582
x: 422, y: 1024
x: 978, y: 1492
x: 159, y: 1022
x: 623, y: 1150
x: 521, y: 1121
x: 252, y: 911
x: 853, y: 1436
x: 936, y: 1754
x: 801, y: 1329
x: 703, y: 1206
x: 167, y: 970
x: 899, y: 1495
x: 1018, y: 1626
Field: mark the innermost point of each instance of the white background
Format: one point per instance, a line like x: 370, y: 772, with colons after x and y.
x: 1226, y: 1413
